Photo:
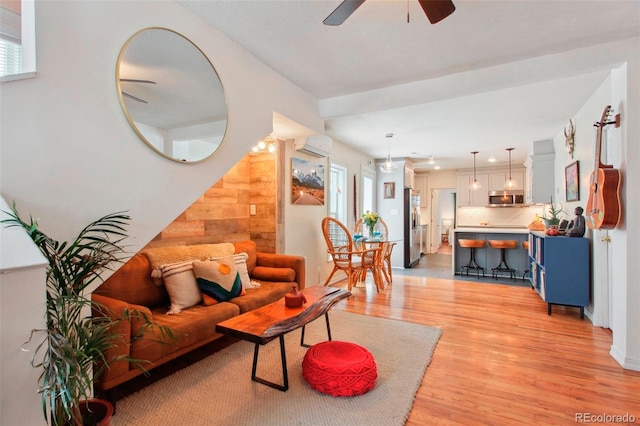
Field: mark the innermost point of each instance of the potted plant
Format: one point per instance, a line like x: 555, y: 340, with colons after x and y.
x: 74, y: 343
x: 552, y: 215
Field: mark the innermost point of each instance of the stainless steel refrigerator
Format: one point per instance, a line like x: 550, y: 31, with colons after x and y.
x: 411, y: 227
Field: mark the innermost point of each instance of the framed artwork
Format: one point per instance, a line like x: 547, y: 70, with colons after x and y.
x: 572, y: 181
x: 307, y: 183
x: 389, y: 190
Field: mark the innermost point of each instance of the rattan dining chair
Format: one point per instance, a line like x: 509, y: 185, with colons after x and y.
x: 353, y: 261
x: 386, y: 248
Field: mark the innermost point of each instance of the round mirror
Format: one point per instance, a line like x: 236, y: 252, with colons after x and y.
x: 171, y: 95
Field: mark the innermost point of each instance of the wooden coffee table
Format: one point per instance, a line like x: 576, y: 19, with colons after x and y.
x: 264, y: 324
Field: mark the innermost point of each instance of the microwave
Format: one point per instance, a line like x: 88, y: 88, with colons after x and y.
x: 507, y: 198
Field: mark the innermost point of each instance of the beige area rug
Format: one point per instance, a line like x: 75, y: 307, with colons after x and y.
x: 218, y: 390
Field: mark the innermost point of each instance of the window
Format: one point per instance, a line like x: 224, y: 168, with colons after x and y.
x: 17, y: 39
x: 368, y: 193
x: 338, y: 193
x: 10, y: 57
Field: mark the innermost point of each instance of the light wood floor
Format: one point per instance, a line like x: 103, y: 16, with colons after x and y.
x: 501, y: 359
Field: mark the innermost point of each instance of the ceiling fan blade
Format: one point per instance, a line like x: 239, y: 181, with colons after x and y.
x: 134, y: 80
x: 135, y: 98
x: 437, y: 10
x: 342, y: 12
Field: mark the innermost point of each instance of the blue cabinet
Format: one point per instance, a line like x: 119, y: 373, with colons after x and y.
x: 560, y: 269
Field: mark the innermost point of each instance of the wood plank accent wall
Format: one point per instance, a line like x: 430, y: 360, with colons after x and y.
x: 222, y: 214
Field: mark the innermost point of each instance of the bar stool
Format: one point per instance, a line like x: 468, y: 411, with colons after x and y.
x: 525, y: 245
x: 503, y: 245
x: 472, y: 245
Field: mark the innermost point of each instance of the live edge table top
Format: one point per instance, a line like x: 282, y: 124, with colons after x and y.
x: 268, y: 322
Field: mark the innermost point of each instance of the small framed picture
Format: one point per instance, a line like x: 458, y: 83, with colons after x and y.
x: 572, y: 181
x: 389, y: 190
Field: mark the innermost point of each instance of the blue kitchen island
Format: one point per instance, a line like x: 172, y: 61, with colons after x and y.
x: 488, y: 257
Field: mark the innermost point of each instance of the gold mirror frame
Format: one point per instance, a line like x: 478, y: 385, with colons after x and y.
x: 171, y: 95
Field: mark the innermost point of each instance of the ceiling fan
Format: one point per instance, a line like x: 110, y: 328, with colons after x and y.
x: 133, y: 80
x: 436, y: 10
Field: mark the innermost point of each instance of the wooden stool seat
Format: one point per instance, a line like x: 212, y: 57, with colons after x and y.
x: 472, y: 245
x: 503, y: 245
x: 525, y: 245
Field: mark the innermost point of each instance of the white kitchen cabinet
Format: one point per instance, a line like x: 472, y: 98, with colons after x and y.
x: 421, y: 185
x: 409, y: 178
x: 498, y: 178
x: 466, y: 197
x: 540, y: 178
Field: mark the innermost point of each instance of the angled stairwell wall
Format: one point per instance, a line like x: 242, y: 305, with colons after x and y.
x: 223, y: 213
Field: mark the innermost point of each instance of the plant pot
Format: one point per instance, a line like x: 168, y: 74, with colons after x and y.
x: 96, y: 412
x: 550, y: 222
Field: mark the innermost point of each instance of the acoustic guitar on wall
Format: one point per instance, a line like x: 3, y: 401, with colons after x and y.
x: 603, y: 208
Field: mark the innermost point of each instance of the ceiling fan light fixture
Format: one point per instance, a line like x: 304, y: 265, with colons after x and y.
x: 510, y: 183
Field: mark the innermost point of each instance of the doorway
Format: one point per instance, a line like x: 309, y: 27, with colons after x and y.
x: 442, y: 219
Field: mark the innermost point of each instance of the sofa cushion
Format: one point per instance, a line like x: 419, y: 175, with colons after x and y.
x: 181, y: 285
x: 172, y: 254
x: 266, y: 273
x: 248, y: 247
x: 256, y: 297
x: 192, y: 327
x: 218, y: 278
x: 132, y: 283
x: 241, y: 264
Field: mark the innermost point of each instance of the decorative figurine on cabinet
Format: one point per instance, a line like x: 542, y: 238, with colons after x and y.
x: 577, y: 225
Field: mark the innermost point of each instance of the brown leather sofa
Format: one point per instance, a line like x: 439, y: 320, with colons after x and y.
x: 132, y: 288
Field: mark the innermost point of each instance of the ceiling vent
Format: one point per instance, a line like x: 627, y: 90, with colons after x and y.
x: 316, y: 145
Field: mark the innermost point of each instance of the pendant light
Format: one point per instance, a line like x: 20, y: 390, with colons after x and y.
x: 388, y: 166
x: 510, y: 183
x: 475, y: 185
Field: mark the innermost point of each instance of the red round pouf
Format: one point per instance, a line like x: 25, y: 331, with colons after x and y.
x: 339, y: 368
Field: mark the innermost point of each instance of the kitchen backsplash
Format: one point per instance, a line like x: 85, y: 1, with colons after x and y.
x: 497, y: 217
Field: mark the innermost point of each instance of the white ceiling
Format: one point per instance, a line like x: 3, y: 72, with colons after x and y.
x: 489, y: 77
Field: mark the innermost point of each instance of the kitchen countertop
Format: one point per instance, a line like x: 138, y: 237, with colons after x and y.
x: 492, y: 230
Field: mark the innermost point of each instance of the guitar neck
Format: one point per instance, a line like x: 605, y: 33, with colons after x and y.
x: 597, y: 163
x: 600, y: 125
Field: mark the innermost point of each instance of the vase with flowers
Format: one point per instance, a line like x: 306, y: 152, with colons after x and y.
x: 370, y: 219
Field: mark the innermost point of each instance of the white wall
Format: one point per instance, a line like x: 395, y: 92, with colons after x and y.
x: 392, y: 211
x: 68, y: 153
x: 22, y: 308
x: 621, y: 91
x: 625, y: 99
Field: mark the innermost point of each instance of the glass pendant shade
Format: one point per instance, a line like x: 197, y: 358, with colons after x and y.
x: 474, y: 185
x: 388, y: 166
x: 510, y: 183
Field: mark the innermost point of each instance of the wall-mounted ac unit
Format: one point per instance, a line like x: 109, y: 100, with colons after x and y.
x: 316, y: 145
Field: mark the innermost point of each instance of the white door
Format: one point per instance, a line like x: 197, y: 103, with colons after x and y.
x: 601, y: 279
x: 434, y: 223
